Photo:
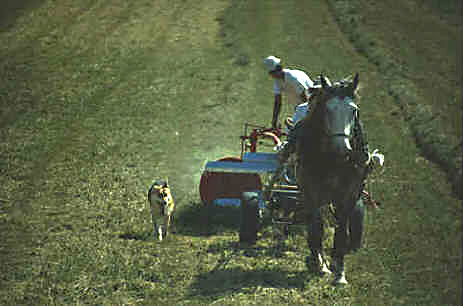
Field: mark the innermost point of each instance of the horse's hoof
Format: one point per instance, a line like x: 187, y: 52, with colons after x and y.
x: 318, y: 266
x: 340, y: 280
x: 324, y: 270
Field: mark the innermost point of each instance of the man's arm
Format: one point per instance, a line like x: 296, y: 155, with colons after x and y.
x: 276, y: 110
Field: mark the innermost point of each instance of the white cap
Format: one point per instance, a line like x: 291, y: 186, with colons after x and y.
x: 272, y: 63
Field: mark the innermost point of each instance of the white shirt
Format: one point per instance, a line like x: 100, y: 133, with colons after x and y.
x: 294, y: 83
x: 300, y: 112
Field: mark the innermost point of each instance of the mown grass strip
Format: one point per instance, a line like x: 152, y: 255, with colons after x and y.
x: 428, y: 128
x: 158, y: 95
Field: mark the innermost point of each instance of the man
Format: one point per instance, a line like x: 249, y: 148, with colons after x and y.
x: 294, y: 83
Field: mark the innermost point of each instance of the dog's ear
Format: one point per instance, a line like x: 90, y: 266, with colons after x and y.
x: 166, y: 183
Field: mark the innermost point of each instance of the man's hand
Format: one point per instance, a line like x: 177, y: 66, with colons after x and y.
x: 304, y: 97
x: 283, y: 152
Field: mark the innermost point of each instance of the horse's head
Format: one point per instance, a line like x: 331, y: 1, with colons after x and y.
x: 333, y: 112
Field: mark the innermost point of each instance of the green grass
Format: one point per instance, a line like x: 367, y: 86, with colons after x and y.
x: 99, y: 99
x: 420, y: 74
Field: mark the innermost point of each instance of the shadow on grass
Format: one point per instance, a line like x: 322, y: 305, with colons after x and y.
x: 270, y: 247
x: 143, y: 236
x: 10, y: 10
x: 222, y: 282
x: 226, y: 278
x: 199, y: 220
x: 196, y: 220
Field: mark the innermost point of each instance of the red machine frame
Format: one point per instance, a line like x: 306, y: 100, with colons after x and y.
x: 231, y: 185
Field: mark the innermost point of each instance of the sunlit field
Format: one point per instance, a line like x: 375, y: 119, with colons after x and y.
x: 99, y: 99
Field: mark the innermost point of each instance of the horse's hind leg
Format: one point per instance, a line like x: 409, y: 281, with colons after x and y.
x: 315, y: 233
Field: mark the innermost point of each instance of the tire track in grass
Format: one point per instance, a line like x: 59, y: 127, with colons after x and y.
x: 88, y: 126
x: 30, y: 197
x: 405, y: 183
x: 424, y: 206
x: 438, y: 140
x: 66, y: 131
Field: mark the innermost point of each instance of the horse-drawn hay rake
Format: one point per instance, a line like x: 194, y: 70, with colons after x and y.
x: 264, y: 188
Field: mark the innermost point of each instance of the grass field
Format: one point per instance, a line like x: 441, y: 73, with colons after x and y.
x: 99, y: 99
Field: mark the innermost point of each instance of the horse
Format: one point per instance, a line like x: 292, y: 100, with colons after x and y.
x: 332, y: 170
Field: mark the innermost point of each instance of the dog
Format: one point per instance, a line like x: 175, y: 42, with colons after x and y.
x: 162, y: 207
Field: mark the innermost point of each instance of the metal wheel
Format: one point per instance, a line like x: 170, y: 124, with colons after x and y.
x: 249, y: 217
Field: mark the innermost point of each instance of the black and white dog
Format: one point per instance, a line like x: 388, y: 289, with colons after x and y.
x: 162, y: 207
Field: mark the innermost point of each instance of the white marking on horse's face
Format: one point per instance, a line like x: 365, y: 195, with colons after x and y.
x: 339, y: 121
x: 347, y: 144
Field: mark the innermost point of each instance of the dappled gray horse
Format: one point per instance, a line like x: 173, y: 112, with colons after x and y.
x: 333, y: 156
